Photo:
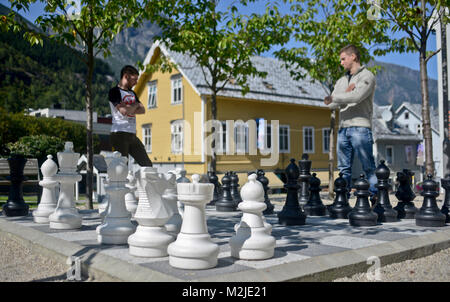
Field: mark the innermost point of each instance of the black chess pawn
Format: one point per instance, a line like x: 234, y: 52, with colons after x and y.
x: 445, y: 183
x: 383, y: 206
x: 226, y: 202
x: 362, y: 214
x: 405, y: 207
x: 305, y: 174
x: 215, y: 181
x: 429, y: 214
x: 314, y: 206
x: 340, y: 207
x: 265, y: 182
x: 292, y: 214
x: 235, y: 188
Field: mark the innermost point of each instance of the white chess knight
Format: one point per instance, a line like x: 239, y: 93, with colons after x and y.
x: 151, y: 238
x: 48, y: 199
x: 251, y: 241
x: 170, y: 197
x: 116, y: 226
x: 66, y: 215
x: 194, y: 248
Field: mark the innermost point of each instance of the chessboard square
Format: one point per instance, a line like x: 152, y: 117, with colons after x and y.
x: 349, y: 241
x: 76, y: 236
x: 280, y: 257
x: 314, y: 249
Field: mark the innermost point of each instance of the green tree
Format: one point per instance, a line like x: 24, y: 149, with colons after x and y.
x: 92, y: 27
x: 324, y: 27
x: 221, y: 42
x: 414, y: 21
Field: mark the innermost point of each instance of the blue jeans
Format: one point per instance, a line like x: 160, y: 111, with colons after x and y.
x: 359, y: 141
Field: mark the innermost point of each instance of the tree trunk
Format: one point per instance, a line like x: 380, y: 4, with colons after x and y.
x: 331, y: 156
x: 214, y: 117
x: 445, y: 102
x: 429, y: 165
x: 89, y: 138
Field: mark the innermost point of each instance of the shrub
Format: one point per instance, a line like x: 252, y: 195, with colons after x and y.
x: 36, y: 146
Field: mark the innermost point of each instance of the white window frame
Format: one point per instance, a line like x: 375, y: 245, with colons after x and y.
x: 152, y: 94
x: 392, y: 154
x: 177, y: 90
x: 312, y: 139
x: 288, y: 135
x: 221, y: 146
x: 241, y: 137
x: 326, y: 137
x: 147, y: 137
x: 176, y: 130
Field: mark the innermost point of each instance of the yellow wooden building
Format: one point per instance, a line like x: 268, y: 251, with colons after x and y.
x: 176, y: 126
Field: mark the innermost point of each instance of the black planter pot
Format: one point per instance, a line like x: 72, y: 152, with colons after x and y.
x: 15, y: 205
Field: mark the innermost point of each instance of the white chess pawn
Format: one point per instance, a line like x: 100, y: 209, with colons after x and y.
x: 151, y: 238
x: 130, y: 199
x: 251, y: 241
x: 117, y: 226
x: 66, y: 215
x: 48, y: 201
x: 194, y: 248
x: 170, y: 197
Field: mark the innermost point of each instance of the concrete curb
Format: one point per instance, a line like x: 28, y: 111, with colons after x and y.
x: 101, y: 267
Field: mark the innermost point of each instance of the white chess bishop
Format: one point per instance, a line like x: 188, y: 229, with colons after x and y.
x: 194, y: 248
x: 116, y: 226
x: 66, y: 215
x: 251, y: 241
x: 48, y: 199
x: 151, y: 238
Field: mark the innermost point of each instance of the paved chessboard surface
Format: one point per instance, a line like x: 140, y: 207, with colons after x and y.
x: 320, y: 236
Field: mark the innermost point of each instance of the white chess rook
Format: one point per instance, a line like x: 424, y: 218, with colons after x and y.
x: 48, y: 199
x: 251, y: 241
x: 151, y: 238
x: 194, y: 248
x: 66, y: 215
x: 117, y: 226
x: 170, y: 197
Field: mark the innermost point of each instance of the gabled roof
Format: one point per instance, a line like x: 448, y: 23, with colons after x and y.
x: 278, y: 86
x: 382, y: 131
x: 416, y: 109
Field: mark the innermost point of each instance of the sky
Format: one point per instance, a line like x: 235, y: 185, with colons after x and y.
x: 410, y: 60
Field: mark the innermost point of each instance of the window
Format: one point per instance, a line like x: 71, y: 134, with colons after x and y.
x: 406, y: 115
x: 241, y: 137
x: 221, y: 145
x: 177, y: 90
x: 284, y: 139
x: 151, y: 94
x: 419, y: 129
x: 147, y: 137
x: 177, y: 136
x: 389, y: 154
x: 326, y: 140
x: 308, y: 139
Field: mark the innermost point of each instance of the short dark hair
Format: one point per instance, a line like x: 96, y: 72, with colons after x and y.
x: 128, y: 69
x: 351, y: 49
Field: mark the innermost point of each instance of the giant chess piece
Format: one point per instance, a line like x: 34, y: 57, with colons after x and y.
x: 445, y: 183
x: 265, y: 182
x: 405, y: 207
x: 182, y: 179
x: 383, y: 207
x: 48, y: 201
x: 130, y: 197
x: 116, y: 226
x: 305, y: 174
x: 215, y: 181
x: 292, y: 214
x: 340, y: 207
x: 194, y: 248
x: 362, y: 214
x: 235, y: 188
x: 151, y: 238
x: 170, y: 197
x: 66, y: 216
x: 251, y: 241
x: 429, y: 214
x: 314, y: 206
x: 15, y: 205
x: 226, y: 202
